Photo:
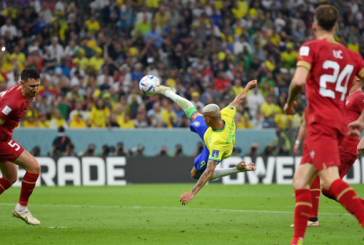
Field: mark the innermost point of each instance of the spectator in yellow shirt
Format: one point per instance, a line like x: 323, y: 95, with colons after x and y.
x: 283, y: 121
x: 244, y: 122
x: 275, y: 38
x: 168, y: 116
x: 237, y: 88
x: 269, y: 109
x: 289, y: 57
x: 18, y: 58
x: 78, y: 122
x: 7, y: 62
x: 43, y: 122
x: 152, y: 3
x: 81, y: 59
x: 240, y: 9
x: 92, y: 25
x: 10, y: 12
x: 126, y: 123
x: 30, y: 121
x: 90, y: 41
x: 161, y: 17
x: 353, y: 45
x: 119, y: 112
x: 270, y: 63
x: 171, y: 81
x: 58, y: 121
x: 97, y: 61
x: 99, y: 115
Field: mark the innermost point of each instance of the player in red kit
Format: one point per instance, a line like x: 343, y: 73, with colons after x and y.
x: 13, y: 106
x: 328, y: 69
x: 348, y: 148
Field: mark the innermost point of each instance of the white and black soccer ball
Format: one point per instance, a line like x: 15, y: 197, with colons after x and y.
x: 149, y: 84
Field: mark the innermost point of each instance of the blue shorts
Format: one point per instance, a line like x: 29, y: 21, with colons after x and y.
x: 199, y: 126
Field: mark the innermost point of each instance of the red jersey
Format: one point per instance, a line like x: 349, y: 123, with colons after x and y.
x: 332, y: 70
x: 354, y: 107
x: 13, y: 106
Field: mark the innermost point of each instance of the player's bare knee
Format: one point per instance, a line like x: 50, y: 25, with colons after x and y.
x: 34, y: 167
x: 326, y: 184
x: 298, y: 184
x: 11, y: 179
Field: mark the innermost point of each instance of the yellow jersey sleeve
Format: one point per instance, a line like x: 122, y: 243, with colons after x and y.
x: 228, y: 111
x: 217, y: 149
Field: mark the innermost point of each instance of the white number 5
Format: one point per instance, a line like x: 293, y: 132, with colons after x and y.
x: 335, y: 78
x: 13, y: 144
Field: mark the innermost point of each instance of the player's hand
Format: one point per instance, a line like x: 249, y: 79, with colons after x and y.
x: 252, y: 84
x: 355, y: 128
x: 289, y: 109
x: 296, y: 149
x: 186, y: 197
x: 360, y: 150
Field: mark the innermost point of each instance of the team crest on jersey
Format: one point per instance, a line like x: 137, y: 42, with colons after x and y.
x: 231, y: 107
x: 197, y: 124
x: 215, y: 153
x: 6, y: 110
x: 312, y: 154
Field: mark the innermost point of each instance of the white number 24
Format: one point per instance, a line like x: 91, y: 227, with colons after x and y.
x: 335, y: 78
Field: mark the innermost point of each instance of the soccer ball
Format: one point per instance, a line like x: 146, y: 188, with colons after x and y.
x: 148, y: 84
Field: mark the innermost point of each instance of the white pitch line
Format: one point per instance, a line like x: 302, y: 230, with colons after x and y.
x: 173, y: 208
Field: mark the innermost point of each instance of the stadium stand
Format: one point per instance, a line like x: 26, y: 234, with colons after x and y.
x: 92, y: 55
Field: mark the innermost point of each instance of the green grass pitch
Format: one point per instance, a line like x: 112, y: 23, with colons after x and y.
x: 152, y: 214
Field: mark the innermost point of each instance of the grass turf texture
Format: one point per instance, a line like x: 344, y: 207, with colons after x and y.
x: 152, y: 214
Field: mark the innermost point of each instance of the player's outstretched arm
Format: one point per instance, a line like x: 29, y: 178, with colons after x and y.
x: 298, y: 81
x: 301, y: 134
x: 204, y: 178
x: 239, y: 98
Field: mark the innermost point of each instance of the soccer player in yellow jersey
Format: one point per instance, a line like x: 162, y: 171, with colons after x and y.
x: 217, y: 129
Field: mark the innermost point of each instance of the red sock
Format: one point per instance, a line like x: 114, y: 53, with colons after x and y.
x: 331, y: 196
x: 4, y: 185
x: 347, y: 197
x: 27, y: 187
x: 315, y: 197
x: 301, y: 214
x: 328, y: 194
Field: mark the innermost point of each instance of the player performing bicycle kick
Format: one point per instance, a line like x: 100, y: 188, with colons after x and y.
x: 217, y: 129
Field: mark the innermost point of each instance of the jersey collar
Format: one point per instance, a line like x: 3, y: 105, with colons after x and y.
x: 219, y: 130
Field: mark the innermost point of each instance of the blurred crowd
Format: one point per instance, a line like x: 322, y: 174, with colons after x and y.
x: 92, y: 54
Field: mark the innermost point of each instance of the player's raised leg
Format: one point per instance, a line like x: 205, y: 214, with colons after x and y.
x: 301, y: 183
x: 10, y: 172
x: 222, y: 172
x: 347, y: 161
x: 343, y: 192
x: 185, y: 105
x: 240, y: 167
x: 32, y: 167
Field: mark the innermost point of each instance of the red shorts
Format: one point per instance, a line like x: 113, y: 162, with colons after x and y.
x: 10, y: 150
x: 347, y: 161
x: 348, y: 155
x: 321, y: 146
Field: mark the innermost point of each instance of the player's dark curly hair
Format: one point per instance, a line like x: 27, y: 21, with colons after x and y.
x: 29, y: 73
